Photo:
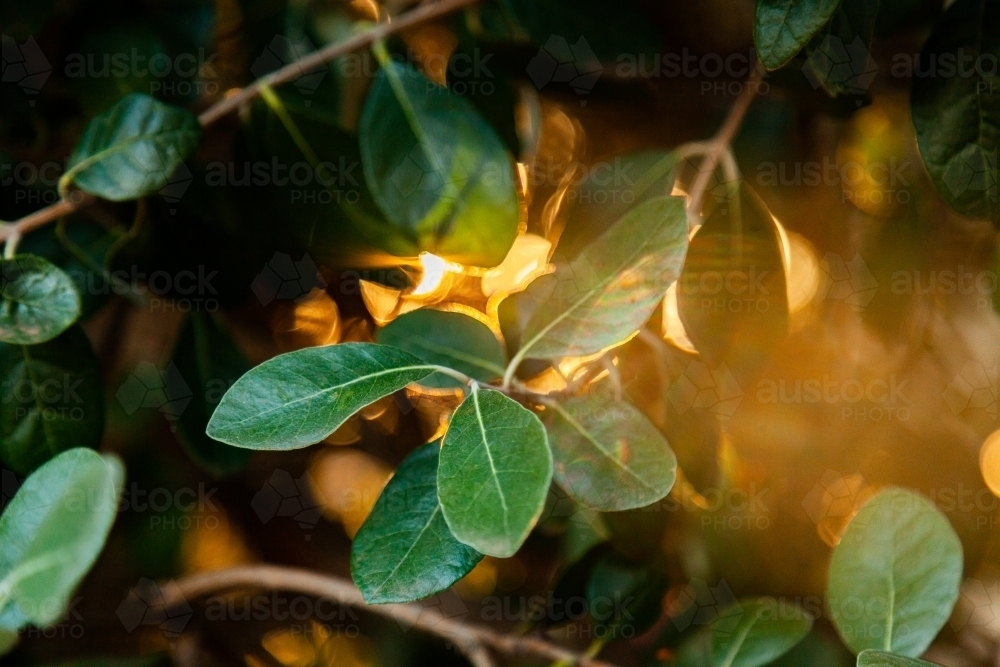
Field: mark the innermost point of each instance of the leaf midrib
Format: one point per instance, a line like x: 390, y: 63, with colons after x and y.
x: 489, y: 457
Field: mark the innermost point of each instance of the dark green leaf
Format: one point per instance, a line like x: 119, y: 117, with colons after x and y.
x: 405, y: 551
x: 52, y: 400
x: 132, y: 150
x: 494, y: 472
x: 52, y: 532
x: 895, y: 575
x: 437, y: 170
x: 840, y: 59
x: 37, y: 300
x: 624, y: 599
x: 873, y: 658
x: 956, y: 108
x: 447, y: 339
x: 296, y: 399
x: 607, y: 455
x: 609, y: 291
x: 209, y: 361
x: 783, y: 27
x: 731, y: 294
x: 760, y: 631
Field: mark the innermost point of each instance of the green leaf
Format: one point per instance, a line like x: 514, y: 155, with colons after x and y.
x: 759, y: 631
x: 607, y: 455
x: 132, y: 149
x: 53, y: 400
x: 610, y: 189
x: 895, y: 576
x: 297, y: 399
x: 52, y: 532
x: 494, y: 472
x: 437, y: 170
x: 37, y: 300
x: 447, y: 339
x: 956, y: 112
x: 873, y: 658
x: 731, y: 294
x: 840, y: 59
x: 783, y: 27
x: 8, y: 640
x: 609, y: 291
x: 624, y: 599
x: 209, y: 361
x: 405, y: 551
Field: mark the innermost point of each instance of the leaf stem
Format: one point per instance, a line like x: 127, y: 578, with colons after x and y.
x: 718, y: 145
x: 473, y: 640
x: 75, y: 200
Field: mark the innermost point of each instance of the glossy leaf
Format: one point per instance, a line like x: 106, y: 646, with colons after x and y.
x: 405, y: 551
x: 494, y: 472
x: 133, y: 149
x: 956, y: 113
x: 609, y: 291
x: 895, y: 576
x: 447, y: 339
x: 783, y: 27
x: 732, y: 295
x: 52, y: 532
x: 840, y: 58
x: 297, y: 399
x: 53, y: 400
x: 608, y: 455
x: 437, y: 170
x: 873, y: 658
x: 758, y: 632
x: 207, y: 358
x: 37, y: 300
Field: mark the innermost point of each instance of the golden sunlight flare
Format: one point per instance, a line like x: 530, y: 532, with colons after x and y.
x: 312, y: 321
x: 527, y: 259
x: 802, y: 274
x: 434, y: 272
x: 989, y: 462
x: 347, y: 483
x: 212, y: 543
x: 673, y: 327
x: 315, y: 645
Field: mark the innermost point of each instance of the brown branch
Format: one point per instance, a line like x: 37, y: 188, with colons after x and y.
x: 77, y: 200
x: 473, y: 640
x: 719, y: 144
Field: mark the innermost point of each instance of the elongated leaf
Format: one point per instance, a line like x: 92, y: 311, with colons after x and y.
x: 873, y: 658
x: 132, y: 150
x: 783, y: 27
x: 296, y: 399
x: 52, y: 532
x: 607, y: 455
x: 37, y: 300
x: 732, y: 295
x: 209, y: 362
x: 758, y: 632
x: 494, y: 472
x: 437, y: 169
x: 840, y: 59
x: 609, y: 291
x: 895, y: 575
x: 447, y: 339
x: 405, y: 551
x: 52, y: 400
x: 956, y: 112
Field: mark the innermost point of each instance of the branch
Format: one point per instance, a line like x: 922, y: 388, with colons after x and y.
x: 719, y: 144
x: 473, y: 640
x: 79, y: 200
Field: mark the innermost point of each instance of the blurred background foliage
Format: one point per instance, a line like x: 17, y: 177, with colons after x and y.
x: 777, y: 452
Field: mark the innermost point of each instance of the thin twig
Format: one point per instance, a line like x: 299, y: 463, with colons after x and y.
x: 79, y: 200
x: 719, y: 144
x: 473, y: 640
